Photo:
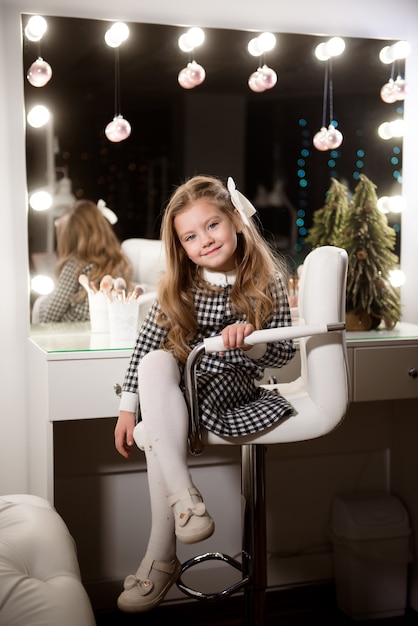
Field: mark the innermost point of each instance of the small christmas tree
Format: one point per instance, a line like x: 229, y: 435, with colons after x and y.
x: 369, y: 241
x: 327, y: 221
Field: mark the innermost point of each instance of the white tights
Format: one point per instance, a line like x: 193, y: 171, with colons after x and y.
x: 162, y: 435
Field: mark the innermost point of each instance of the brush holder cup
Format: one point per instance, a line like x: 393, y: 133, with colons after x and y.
x: 99, y: 312
x: 123, y: 320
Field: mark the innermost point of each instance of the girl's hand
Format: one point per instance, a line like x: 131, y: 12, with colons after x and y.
x: 233, y: 336
x: 124, y: 438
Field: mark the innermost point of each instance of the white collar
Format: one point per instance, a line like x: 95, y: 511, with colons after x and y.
x: 219, y: 278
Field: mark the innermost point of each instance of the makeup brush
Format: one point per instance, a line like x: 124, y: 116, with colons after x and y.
x: 84, y: 282
x: 138, y: 290
x: 119, y: 286
x: 106, y: 285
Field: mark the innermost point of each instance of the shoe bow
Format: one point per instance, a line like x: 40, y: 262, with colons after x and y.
x: 198, y: 509
x: 144, y: 586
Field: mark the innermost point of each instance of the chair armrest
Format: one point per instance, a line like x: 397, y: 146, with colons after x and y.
x: 215, y: 344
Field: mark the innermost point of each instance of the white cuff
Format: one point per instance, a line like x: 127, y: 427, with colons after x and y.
x: 129, y: 402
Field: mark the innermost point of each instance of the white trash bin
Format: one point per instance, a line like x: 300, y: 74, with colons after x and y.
x: 371, y: 539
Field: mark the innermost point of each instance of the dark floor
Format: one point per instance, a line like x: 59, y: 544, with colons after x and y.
x: 298, y: 607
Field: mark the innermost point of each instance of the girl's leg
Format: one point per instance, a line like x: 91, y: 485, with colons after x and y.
x: 165, y: 419
x: 162, y: 435
x: 160, y: 568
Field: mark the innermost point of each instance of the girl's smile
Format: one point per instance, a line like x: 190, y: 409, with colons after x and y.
x: 208, y: 236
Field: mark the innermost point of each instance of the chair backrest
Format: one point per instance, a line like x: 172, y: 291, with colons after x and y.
x: 147, y: 259
x: 322, y: 296
x: 320, y: 394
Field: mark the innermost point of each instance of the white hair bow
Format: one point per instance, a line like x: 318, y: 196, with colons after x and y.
x: 106, y: 212
x: 240, y: 202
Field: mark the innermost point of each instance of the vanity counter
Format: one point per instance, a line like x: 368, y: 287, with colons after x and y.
x: 73, y: 409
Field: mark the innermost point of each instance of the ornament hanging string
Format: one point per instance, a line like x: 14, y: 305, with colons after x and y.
x: 324, y: 103
x: 331, y: 93
x: 117, y: 83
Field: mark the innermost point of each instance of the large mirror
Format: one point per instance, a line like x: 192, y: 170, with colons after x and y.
x: 221, y: 127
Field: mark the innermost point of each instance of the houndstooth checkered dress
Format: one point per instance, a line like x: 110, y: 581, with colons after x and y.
x: 60, y: 305
x: 230, y: 403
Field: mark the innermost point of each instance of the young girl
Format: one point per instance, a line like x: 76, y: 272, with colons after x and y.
x: 86, y: 244
x: 221, y: 278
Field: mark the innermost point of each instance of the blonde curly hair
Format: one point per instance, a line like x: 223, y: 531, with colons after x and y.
x: 84, y: 234
x: 257, y: 268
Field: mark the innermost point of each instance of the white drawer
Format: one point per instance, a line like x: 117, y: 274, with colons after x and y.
x: 382, y: 373
x: 83, y: 389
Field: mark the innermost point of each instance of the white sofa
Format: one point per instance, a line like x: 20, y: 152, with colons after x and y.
x: 40, y: 582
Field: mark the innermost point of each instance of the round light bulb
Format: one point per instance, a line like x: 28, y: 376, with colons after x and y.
x: 267, y: 41
x: 254, y: 47
x: 40, y: 201
x: 396, y: 204
x: 321, y: 52
x: 38, y: 116
x: 383, y: 204
x: 195, y: 36
x: 397, y: 278
x: 336, y: 46
x: 384, y: 131
x: 184, y: 43
x: 401, y: 49
x: 386, y: 56
x: 397, y: 128
x: 116, y: 34
x: 36, y: 28
x: 42, y: 285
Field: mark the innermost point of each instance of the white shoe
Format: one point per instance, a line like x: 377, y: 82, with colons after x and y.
x: 192, y: 521
x: 147, y: 588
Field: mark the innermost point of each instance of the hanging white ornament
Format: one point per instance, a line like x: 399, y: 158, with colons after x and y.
x: 333, y: 137
x: 118, y: 129
x: 401, y: 88
x: 388, y: 92
x: 39, y: 73
x: 320, y: 139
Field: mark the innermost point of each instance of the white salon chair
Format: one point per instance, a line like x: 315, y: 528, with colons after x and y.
x: 147, y: 259
x: 320, y: 397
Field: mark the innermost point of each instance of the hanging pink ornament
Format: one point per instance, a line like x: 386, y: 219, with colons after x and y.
x: 184, y: 79
x: 388, y: 92
x: 255, y: 82
x: 401, y: 88
x: 333, y: 137
x: 118, y: 129
x: 320, y: 140
x: 39, y: 73
x: 191, y: 76
x: 197, y: 73
x: 266, y: 77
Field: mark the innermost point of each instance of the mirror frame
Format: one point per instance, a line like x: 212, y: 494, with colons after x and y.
x: 396, y: 21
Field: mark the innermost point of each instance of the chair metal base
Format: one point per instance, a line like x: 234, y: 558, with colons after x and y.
x: 253, y: 582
